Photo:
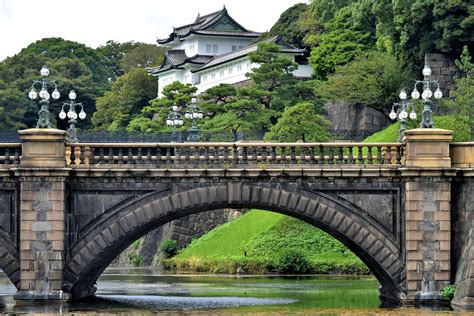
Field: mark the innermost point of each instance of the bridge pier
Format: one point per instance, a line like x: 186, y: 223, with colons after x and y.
x: 427, y: 215
x: 42, y: 175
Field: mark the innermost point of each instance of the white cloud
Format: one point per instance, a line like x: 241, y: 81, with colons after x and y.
x: 93, y: 22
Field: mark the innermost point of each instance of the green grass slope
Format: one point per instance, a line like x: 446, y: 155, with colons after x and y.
x: 261, y: 241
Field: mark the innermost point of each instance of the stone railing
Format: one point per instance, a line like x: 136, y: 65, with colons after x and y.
x: 10, y: 154
x: 223, y: 155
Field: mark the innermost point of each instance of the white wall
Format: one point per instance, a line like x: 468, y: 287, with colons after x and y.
x: 195, y: 44
x: 229, y: 73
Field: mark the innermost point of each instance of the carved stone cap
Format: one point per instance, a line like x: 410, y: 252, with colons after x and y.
x: 427, y: 148
x: 43, y: 148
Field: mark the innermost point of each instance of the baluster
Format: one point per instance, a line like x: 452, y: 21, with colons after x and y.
x: 168, y: 155
x: 73, y: 156
x: 283, y: 154
x: 226, y: 153
x: 206, y: 154
x: 350, y: 159
x: 292, y: 154
x: 120, y: 156
x: 273, y: 154
x: 111, y: 156
x: 17, y: 156
x: 254, y: 154
x: 244, y: 155
x: 158, y: 154
x: 139, y: 156
x: 360, y: 159
x: 92, y: 156
x: 370, y: 159
x: 148, y: 155
x: 321, y: 154
x: 235, y: 154
x: 187, y: 154
x: 388, y: 153
x: 379, y: 154
x: 7, y: 156
x: 216, y: 153
x: 331, y: 155
x: 264, y: 154
x: 341, y: 155
x: 302, y: 155
x: 311, y: 155
x: 399, y: 155
x: 197, y: 154
x: 101, y: 155
x: 129, y: 155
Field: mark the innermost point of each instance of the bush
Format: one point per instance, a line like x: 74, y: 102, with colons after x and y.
x: 169, y: 248
x: 293, y: 261
x: 135, y: 259
x: 448, y: 292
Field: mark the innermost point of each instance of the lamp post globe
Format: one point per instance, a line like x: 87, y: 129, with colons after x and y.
x: 72, y: 115
x: 194, y: 113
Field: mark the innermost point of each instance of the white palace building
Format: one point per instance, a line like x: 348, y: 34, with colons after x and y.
x: 213, y: 50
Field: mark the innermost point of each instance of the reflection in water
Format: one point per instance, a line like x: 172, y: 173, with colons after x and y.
x: 143, y: 292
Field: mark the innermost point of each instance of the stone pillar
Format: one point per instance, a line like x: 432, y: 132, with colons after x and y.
x: 427, y: 214
x: 42, y: 174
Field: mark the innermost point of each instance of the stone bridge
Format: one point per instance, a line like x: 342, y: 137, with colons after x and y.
x: 67, y: 210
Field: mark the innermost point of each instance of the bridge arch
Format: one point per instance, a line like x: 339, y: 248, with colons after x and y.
x: 112, y: 233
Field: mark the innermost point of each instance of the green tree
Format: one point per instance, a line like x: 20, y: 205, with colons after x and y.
x: 300, y: 122
x: 339, y: 45
x: 130, y: 93
x: 462, y: 97
x: 142, y: 55
x: 289, y: 27
x: 373, y: 79
x: 153, y: 116
x: 72, y: 66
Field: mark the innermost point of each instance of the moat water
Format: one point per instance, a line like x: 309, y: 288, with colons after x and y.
x: 144, y: 292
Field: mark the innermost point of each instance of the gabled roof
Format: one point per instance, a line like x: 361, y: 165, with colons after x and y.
x: 220, y: 59
x: 175, y: 59
x: 218, y: 23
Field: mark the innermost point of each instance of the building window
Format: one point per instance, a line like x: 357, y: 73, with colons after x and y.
x: 204, y: 78
x: 191, y: 48
x: 248, y: 65
x: 231, y: 70
x: 240, y: 47
x: 234, y: 48
x: 208, y: 48
x: 239, y: 68
x: 221, y: 73
x: 186, y: 78
x: 213, y: 76
x: 214, y: 49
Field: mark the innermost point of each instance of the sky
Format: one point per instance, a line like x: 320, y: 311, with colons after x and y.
x: 93, y: 22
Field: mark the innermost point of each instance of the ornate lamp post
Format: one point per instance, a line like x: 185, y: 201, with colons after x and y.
x: 44, y: 84
x: 427, y: 83
x: 174, y: 120
x: 194, y: 113
x: 72, y: 115
x: 403, y: 114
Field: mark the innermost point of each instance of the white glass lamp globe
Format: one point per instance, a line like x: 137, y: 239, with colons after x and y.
x: 44, y: 94
x: 33, y: 94
x: 62, y: 115
x: 413, y: 115
x: 195, y: 115
x: 70, y: 114
x: 168, y: 122
x: 438, y: 94
x: 426, y: 94
x: 200, y: 115
x: 403, y: 115
x: 392, y: 115
x: 175, y: 108
x: 44, y: 71
x: 426, y: 71
x: 82, y: 115
x: 415, y: 94
x: 193, y: 100
x: 72, y: 95
x: 180, y: 122
x: 187, y: 115
x: 56, y: 95
x: 175, y: 122
x: 402, y: 95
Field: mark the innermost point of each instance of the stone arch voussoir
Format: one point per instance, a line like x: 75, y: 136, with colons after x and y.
x: 103, y: 242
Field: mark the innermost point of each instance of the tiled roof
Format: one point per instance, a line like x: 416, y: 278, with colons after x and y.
x: 202, y: 25
x: 220, y: 59
x: 176, y: 58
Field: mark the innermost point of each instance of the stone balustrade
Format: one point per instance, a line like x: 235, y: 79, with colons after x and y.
x: 241, y: 154
x: 10, y: 154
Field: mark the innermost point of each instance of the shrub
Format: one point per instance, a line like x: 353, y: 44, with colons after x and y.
x: 448, y: 292
x: 293, y: 261
x: 135, y: 259
x: 169, y: 248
